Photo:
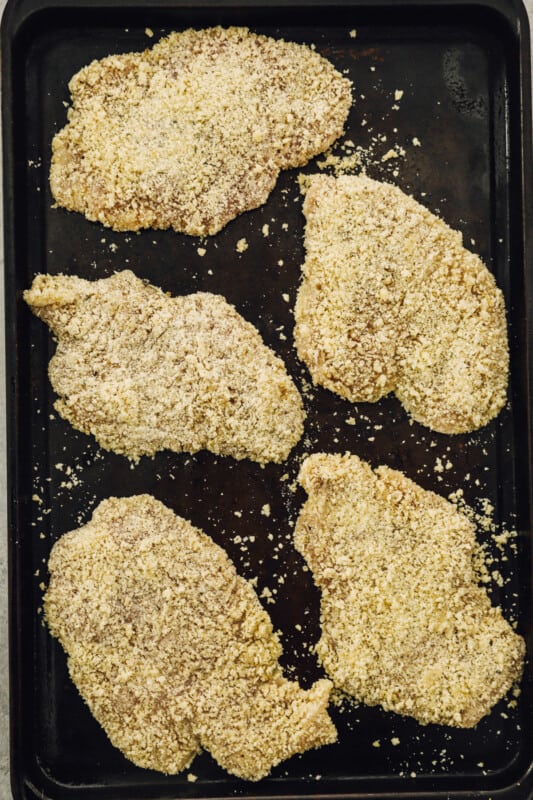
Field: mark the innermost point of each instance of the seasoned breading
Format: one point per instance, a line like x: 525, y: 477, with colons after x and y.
x: 171, y: 649
x: 143, y: 371
x: 191, y: 133
x: 405, y: 623
x: 392, y: 301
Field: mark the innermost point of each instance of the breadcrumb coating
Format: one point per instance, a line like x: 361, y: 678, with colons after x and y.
x: 170, y: 647
x: 392, y: 301
x: 194, y: 131
x: 405, y: 623
x: 142, y: 371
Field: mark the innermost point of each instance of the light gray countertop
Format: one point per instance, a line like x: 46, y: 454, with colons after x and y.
x: 5, y: 791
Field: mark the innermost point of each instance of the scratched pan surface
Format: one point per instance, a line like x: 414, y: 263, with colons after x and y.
x: 459, y: 124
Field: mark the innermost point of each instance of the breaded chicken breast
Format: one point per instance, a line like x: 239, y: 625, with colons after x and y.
x: 142, y: 371
x: 405, y: 623
x: 171, y: 649
x: 194, y: 131
x: 391, y: 301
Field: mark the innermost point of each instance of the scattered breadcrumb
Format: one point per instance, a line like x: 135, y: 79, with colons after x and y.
x: 241, y: 245
x: 341, y: 165
x: 389, y: 154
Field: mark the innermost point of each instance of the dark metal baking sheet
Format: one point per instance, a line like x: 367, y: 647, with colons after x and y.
x: 464, y: 72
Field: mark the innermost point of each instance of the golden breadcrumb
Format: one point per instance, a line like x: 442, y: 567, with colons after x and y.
x: 405, y: 623
x: 171, y: 649
x: 392, y: 301
x: 191, y: 133
x: 143, y: 371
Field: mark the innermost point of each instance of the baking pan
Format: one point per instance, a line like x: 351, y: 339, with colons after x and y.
x: 463, y: 125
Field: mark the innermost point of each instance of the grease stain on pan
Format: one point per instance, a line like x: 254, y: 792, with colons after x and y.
x: 464, y: 71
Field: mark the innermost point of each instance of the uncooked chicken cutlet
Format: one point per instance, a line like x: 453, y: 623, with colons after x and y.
x: 391, y: 301
x: 404, y: 621
x: 170, y: 647
x: 194, y: 131
x: 142, y: 371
